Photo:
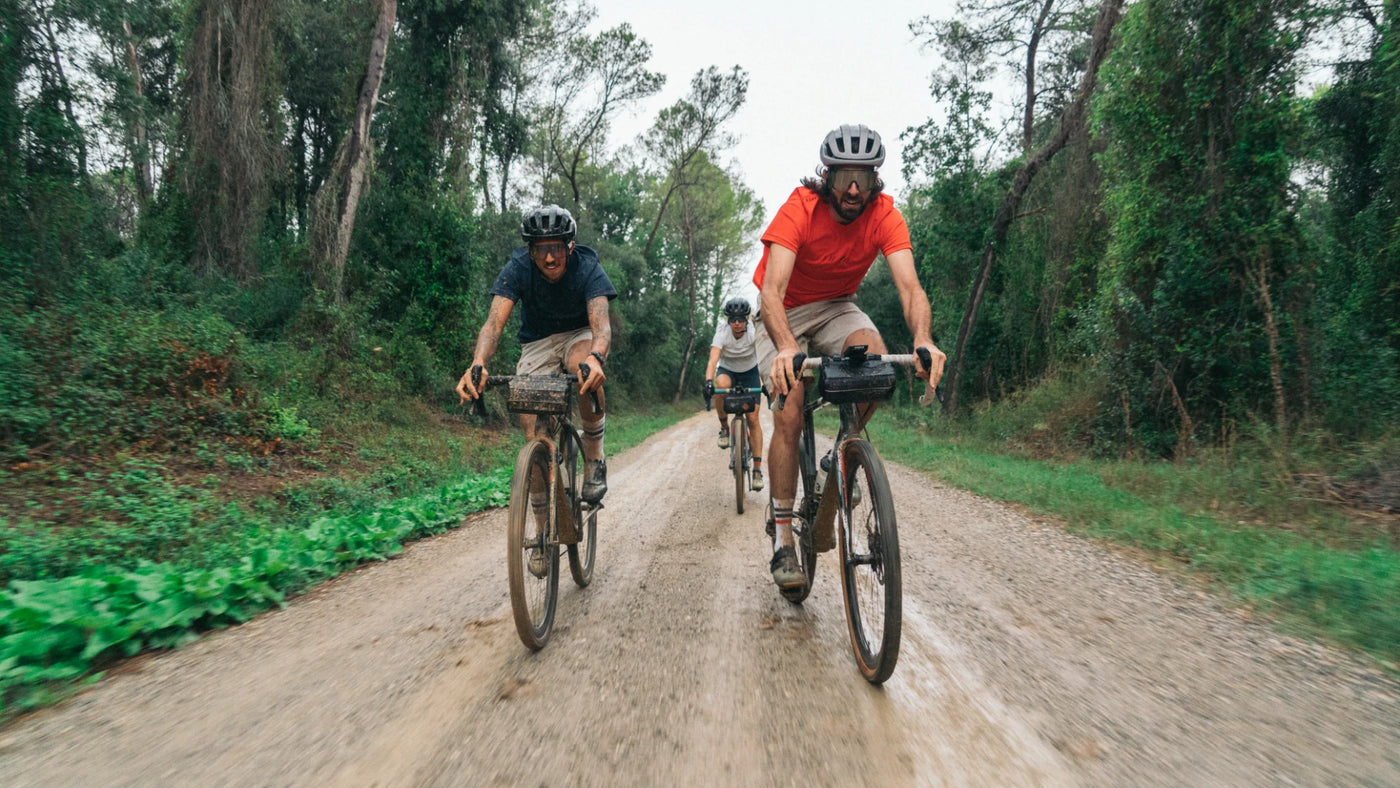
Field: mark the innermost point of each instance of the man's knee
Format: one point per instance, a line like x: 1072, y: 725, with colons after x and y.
x: 868, y: 337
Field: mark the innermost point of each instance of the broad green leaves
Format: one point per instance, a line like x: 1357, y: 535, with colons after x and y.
x: 59, y: 629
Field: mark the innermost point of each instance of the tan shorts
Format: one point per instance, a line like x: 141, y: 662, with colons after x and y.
x: 820, y: 327
x: 547, y: 356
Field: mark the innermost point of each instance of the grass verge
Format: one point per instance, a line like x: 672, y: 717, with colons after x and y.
x: 1313, y: 573
x: 55, y: 631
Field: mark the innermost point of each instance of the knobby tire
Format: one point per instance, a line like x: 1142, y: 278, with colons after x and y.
x: 870, y: 573
x: 532, y: 599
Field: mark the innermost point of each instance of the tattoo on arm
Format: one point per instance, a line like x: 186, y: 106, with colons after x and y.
x: 599, y: 323
x: 492, y: 329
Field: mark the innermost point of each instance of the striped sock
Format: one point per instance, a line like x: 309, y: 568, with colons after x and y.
x: 595, y: 433
x: 782, y: 517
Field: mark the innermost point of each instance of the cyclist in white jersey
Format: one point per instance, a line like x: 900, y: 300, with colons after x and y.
x: 734, y: 363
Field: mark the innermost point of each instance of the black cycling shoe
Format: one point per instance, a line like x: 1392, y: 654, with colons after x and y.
x: 787, y: 572
x: 595, y: 484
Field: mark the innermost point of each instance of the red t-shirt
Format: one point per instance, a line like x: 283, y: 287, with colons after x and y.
x: 832, y: 258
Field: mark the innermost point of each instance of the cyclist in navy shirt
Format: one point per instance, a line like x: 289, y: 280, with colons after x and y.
x: 564, y: 293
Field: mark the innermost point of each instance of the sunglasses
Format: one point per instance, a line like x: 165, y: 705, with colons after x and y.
x: 738, y: 320
x: 863, y: 178
x: 539, y: 251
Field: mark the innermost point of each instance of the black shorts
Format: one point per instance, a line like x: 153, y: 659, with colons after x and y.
x: 748, y: 379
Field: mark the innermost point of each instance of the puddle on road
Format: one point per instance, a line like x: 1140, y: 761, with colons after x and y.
x: 958, y: 732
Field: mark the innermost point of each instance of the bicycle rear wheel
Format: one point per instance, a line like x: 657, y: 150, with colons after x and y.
x: 738, y: 445
x: 585, y: 521
x: 534, y: 591
x: 870, y: 579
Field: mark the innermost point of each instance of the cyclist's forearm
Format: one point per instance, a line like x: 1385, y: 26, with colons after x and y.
x: 600, y: 325
x: 713, y: 365
x: 490, y: 336
x: 919, y: 317
x: 775, y: 321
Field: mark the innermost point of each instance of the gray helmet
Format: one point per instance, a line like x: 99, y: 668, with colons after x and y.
x: 853, y: 145
x: 736, y: 307
x: 550, y: 221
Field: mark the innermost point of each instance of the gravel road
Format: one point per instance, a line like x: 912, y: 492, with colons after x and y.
x: 1030, y: 657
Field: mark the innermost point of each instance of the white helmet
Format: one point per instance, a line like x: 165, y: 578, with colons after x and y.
x: 853, y: 145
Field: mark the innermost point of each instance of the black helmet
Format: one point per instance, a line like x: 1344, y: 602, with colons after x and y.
x: 550, y: 221
x: 736, y: 307
x: 853, y: 145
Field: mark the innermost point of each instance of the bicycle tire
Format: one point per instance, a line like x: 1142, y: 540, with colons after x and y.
x: 803, y: 538
x: 582, y: 553
x: 532, y: 597
x: 738, y: 443
x: 870, y: 572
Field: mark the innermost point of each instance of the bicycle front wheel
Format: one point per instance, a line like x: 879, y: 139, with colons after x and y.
x: 532, y: 559
x: 585, y: 521
x: 738, y: 445
x: 870, y: 579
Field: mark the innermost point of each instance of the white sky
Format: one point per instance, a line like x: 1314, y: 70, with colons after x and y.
x: 812, y: 64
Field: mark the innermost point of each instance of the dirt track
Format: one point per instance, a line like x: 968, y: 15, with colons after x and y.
x: 1029, y: 658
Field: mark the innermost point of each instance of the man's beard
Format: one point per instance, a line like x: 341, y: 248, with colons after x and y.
x: 847, y: 215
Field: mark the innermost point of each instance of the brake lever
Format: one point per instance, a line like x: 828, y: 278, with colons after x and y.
x: 477, y: 372
x: 797, y: 362
x: 583, y: 372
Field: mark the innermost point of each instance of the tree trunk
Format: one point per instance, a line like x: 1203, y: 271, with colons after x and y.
x: 1259, y: 278
x: 1028, y: 121
x: 339, y: 197
x: 1073, y: 118
x: 690, y: 289
x: 140, y: 149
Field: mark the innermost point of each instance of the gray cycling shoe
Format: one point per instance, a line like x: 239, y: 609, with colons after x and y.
x: 539, y: 567
x: 756, y: 482
x: 595, y: 484
x: 724, y: 437
x: 787, y: 572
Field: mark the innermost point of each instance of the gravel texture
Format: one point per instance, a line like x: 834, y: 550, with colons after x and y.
x: 1030, y: 657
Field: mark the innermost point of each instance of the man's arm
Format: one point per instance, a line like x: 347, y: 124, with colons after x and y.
x: 486, y: 342
x: 601, y: 327
x: 917, y: 314
x: 775, y: 283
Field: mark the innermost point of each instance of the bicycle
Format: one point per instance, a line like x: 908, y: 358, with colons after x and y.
x: 859, y: 502
x: 737, y: 403
x: 545, y: 508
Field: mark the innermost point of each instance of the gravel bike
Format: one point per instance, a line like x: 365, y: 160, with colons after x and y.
x: 546, y: 510
x: 737, y: 403
x: 844, y: 501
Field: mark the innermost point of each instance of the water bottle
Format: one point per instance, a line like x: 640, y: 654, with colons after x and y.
x: 822, y: 468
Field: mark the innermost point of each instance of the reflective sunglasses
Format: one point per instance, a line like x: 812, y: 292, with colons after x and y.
x: 539, y: 251
x: 738, y: 320
x: 863, y: 178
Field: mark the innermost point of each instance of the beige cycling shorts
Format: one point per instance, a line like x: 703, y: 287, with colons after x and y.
x: 819, y: 327
x: 547, y: 356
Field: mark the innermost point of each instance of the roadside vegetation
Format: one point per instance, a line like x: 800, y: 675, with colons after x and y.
x: 229, y: 326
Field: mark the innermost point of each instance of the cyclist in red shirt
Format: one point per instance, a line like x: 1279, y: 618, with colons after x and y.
x: 815, y: 254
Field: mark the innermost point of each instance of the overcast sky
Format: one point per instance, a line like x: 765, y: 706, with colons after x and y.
x: 812, y: 64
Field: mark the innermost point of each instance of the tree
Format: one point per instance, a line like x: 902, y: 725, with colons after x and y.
x: 598, y: 77
x: 1073, y: 118
x: 339, y: 197
x: 692, y: 126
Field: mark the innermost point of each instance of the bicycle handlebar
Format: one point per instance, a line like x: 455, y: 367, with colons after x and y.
x: 504, y: 380
x: 801, y: 363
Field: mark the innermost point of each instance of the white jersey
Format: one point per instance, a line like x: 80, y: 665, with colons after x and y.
x: 735, y: 354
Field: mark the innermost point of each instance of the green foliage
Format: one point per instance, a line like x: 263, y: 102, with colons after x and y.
x: 1343, y: 585
x: 53, y: 630
x: 1199, y: 129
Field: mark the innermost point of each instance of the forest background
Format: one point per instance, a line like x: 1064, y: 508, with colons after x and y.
x: 245, y: 248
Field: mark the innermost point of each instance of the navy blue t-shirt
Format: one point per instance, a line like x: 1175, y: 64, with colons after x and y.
x: 549, y: 309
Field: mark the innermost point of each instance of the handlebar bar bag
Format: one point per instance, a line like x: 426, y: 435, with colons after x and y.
x: 845, y: 382
x: 746, y: 402
x: 543, y: 395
